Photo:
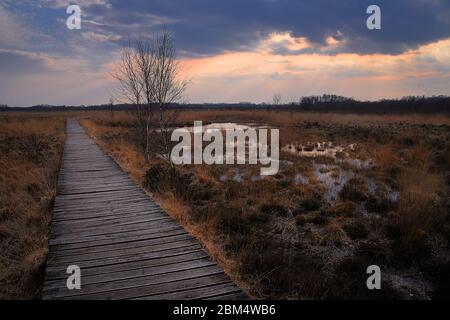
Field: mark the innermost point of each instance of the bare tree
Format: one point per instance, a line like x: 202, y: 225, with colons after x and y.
x: 169, y: 87
x: 111, y: 107
x: 130, y: 90
x: 277, y: 99
x: 128, y: 76
x: 149, y: 76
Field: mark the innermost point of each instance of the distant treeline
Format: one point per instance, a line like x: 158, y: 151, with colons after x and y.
x: 324, y: 103
x: 411, y: 104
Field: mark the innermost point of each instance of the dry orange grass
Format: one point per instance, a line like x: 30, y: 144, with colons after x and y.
x: 276, y: 118
x: 29, y: 162
x: 385, y: 156
x: 28, y: 127
x: 286, y: 118
x: 419, y: 208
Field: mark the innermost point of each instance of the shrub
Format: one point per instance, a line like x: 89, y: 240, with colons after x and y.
x: 334, y: 235
x: 312, y: 203
x: 349, y: 282
x: 230, y: 218
x: 393, y: 170
x: 300, y: 220
x: 274, y: 209
x: 378, y: 204
x: 438, y: 273
x: 157, y: 178
x: 356, y: 230
x: 282, y: 270
x: 392, y: 230
x: 376, y: 251
x: 355, y: 190
x: 419, y: 214
x: 234, y: 190
x: 36, y: 147
x: 416, y: 250
x: 408, y: 141
x: 258, y: 216
x: 441, y: 158
x: 343, y: 209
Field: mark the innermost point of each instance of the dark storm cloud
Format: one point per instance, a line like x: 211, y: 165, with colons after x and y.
x: 211, y: 26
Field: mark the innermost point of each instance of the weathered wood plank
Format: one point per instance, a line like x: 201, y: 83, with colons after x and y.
x: 176, y: 282
x: 121, y: 246
x: 70, y: 246
x: 133, y: 282
x: 196, y: 293
x: 134, y: 264
x: 113, y: 257
x: 112, y: 238
x: 229, y: 296
x: 106, y: 232
x: 136, y: 273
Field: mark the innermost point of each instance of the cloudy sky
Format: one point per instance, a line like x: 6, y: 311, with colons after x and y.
x: 233, y: 50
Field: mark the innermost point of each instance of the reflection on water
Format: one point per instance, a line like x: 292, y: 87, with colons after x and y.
x: 333, y: 177
x: 300, y: 179
x: 358, y: 163
x: 323, y: 149
x: 370, y: 184
x: 218, y: 126
x: 236, y: 175
x: 256, y: 178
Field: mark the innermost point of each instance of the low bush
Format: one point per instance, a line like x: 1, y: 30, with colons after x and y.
x: 157, y: 178
x: 354, y: 190
x: 312, y: 203
x: 356, y: 230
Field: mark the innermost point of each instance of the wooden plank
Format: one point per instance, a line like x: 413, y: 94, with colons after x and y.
x: 178, y: 282
x: 70, y: 246
x: 196, y: 293
x: 125, y: 244
x: 134, y: 264
x: 134, y: 252
x: 112, y: 238
x: 125, y: 258
x: 131, y: 283
x: 105, y: 210
x: 136, y: 273
x: 121, y: 246
x: 229, y: 296
x: 105, y: 232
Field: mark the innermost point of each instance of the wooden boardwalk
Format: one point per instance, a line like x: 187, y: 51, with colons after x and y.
x: 125, y: 245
